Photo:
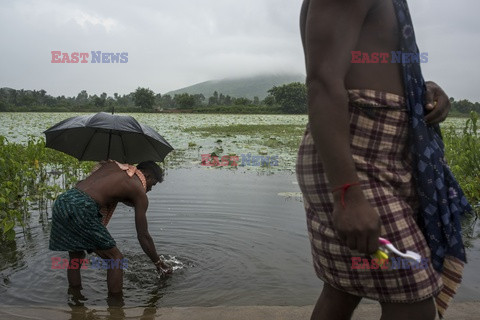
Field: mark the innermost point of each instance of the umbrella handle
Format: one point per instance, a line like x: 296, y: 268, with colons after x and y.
x: 109, y: 142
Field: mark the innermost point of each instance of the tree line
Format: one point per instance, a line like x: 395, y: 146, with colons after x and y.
x: 289, y: 98
x: 463, y: 107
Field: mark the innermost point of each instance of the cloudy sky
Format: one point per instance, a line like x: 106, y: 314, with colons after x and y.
x: 176, y: 43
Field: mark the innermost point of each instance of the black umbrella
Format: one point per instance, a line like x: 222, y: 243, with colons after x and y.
x: 105, y: 136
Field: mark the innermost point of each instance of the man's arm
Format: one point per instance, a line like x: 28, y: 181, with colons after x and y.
x: 143, y: 236
x: 332, y: 30
x: 140, y: 202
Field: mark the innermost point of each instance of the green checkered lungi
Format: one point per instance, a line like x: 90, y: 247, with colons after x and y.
x: 77, y: 224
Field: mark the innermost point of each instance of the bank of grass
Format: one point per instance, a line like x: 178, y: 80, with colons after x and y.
x: 462, y: 151
x: 457, y: 114
x: 462, y: 148
x: 249, y: 129
x: 262, y: 109
x: 31, y: 176
x: 275, y: 136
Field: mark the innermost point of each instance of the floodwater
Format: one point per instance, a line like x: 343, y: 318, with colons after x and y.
x: 235, y: 237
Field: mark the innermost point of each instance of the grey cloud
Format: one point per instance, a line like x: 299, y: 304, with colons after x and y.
x: 172, y: 44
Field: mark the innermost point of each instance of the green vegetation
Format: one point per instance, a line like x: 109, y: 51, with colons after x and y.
x: 241, y: 96
x: 30, y: 177
x: 285, y: 137
x: 254, y: 129
x: 462, y: 151
x: 144, y: 98
x: 292, y: 97
x: 247, y: 109
x: 289, y: 98
x: 463, y: 107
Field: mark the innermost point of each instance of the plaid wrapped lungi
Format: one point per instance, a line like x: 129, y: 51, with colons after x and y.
x: 379, y: 135
x: 77, y: 224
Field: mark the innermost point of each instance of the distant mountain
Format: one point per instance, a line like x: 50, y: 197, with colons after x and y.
x: 241, y: 87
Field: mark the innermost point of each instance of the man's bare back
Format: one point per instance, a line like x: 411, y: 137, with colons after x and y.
x: 110, y: 184
x: 379, y: 33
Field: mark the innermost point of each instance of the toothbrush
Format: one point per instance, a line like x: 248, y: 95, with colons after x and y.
x: 410, y: 255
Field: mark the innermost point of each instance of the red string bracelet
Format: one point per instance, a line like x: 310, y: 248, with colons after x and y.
x: 344, y: 189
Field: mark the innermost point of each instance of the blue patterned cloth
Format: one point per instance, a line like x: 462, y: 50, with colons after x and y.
x: 442, y: 202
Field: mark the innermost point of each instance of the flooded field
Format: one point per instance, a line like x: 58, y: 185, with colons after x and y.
x: 237, y: 236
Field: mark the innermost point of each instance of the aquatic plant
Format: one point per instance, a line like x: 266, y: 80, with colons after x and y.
x: 31, y: 176
x: 462, y: 151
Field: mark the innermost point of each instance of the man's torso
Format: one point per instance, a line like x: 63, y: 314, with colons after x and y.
x: 109, y: 185
x: 379, y: 34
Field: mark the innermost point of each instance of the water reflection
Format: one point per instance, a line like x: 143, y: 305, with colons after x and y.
x: 112, y: 313
x: 115, y: 309
x: 234, y: 238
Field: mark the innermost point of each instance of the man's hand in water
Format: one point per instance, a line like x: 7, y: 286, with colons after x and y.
x: 357, y: 223
x: 163, y: 268
x: 437, y: 104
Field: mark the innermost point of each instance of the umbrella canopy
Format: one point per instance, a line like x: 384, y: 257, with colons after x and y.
x: 105, y: 136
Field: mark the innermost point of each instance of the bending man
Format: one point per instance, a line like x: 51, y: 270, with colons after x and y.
x: 79, y: 217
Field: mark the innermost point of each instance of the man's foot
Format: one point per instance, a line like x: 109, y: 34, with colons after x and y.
x: 115, y: 300
x: 76, y: 297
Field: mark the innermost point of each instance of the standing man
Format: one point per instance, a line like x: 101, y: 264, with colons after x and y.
x: 371, y: 161
x: 78, y: 221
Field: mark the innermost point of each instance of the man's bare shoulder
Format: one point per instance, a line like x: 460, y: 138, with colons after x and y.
x: 132, y: 190
x: 112, y: 182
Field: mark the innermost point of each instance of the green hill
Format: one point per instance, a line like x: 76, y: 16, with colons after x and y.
x: 241, y: 87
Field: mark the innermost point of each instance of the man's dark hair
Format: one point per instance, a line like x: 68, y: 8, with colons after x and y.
x: 152, y: 169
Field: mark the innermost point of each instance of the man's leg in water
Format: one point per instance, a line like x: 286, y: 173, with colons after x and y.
x: 334, y: 304
x: 114, y: 275
x: 422, y: 310
x: 73, y: 275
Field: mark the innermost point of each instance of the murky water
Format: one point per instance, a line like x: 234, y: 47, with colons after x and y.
x: 236, y: 241
x: 234, y: 236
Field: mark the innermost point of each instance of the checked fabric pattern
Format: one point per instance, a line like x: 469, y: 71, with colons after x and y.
x: 379, y: 147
